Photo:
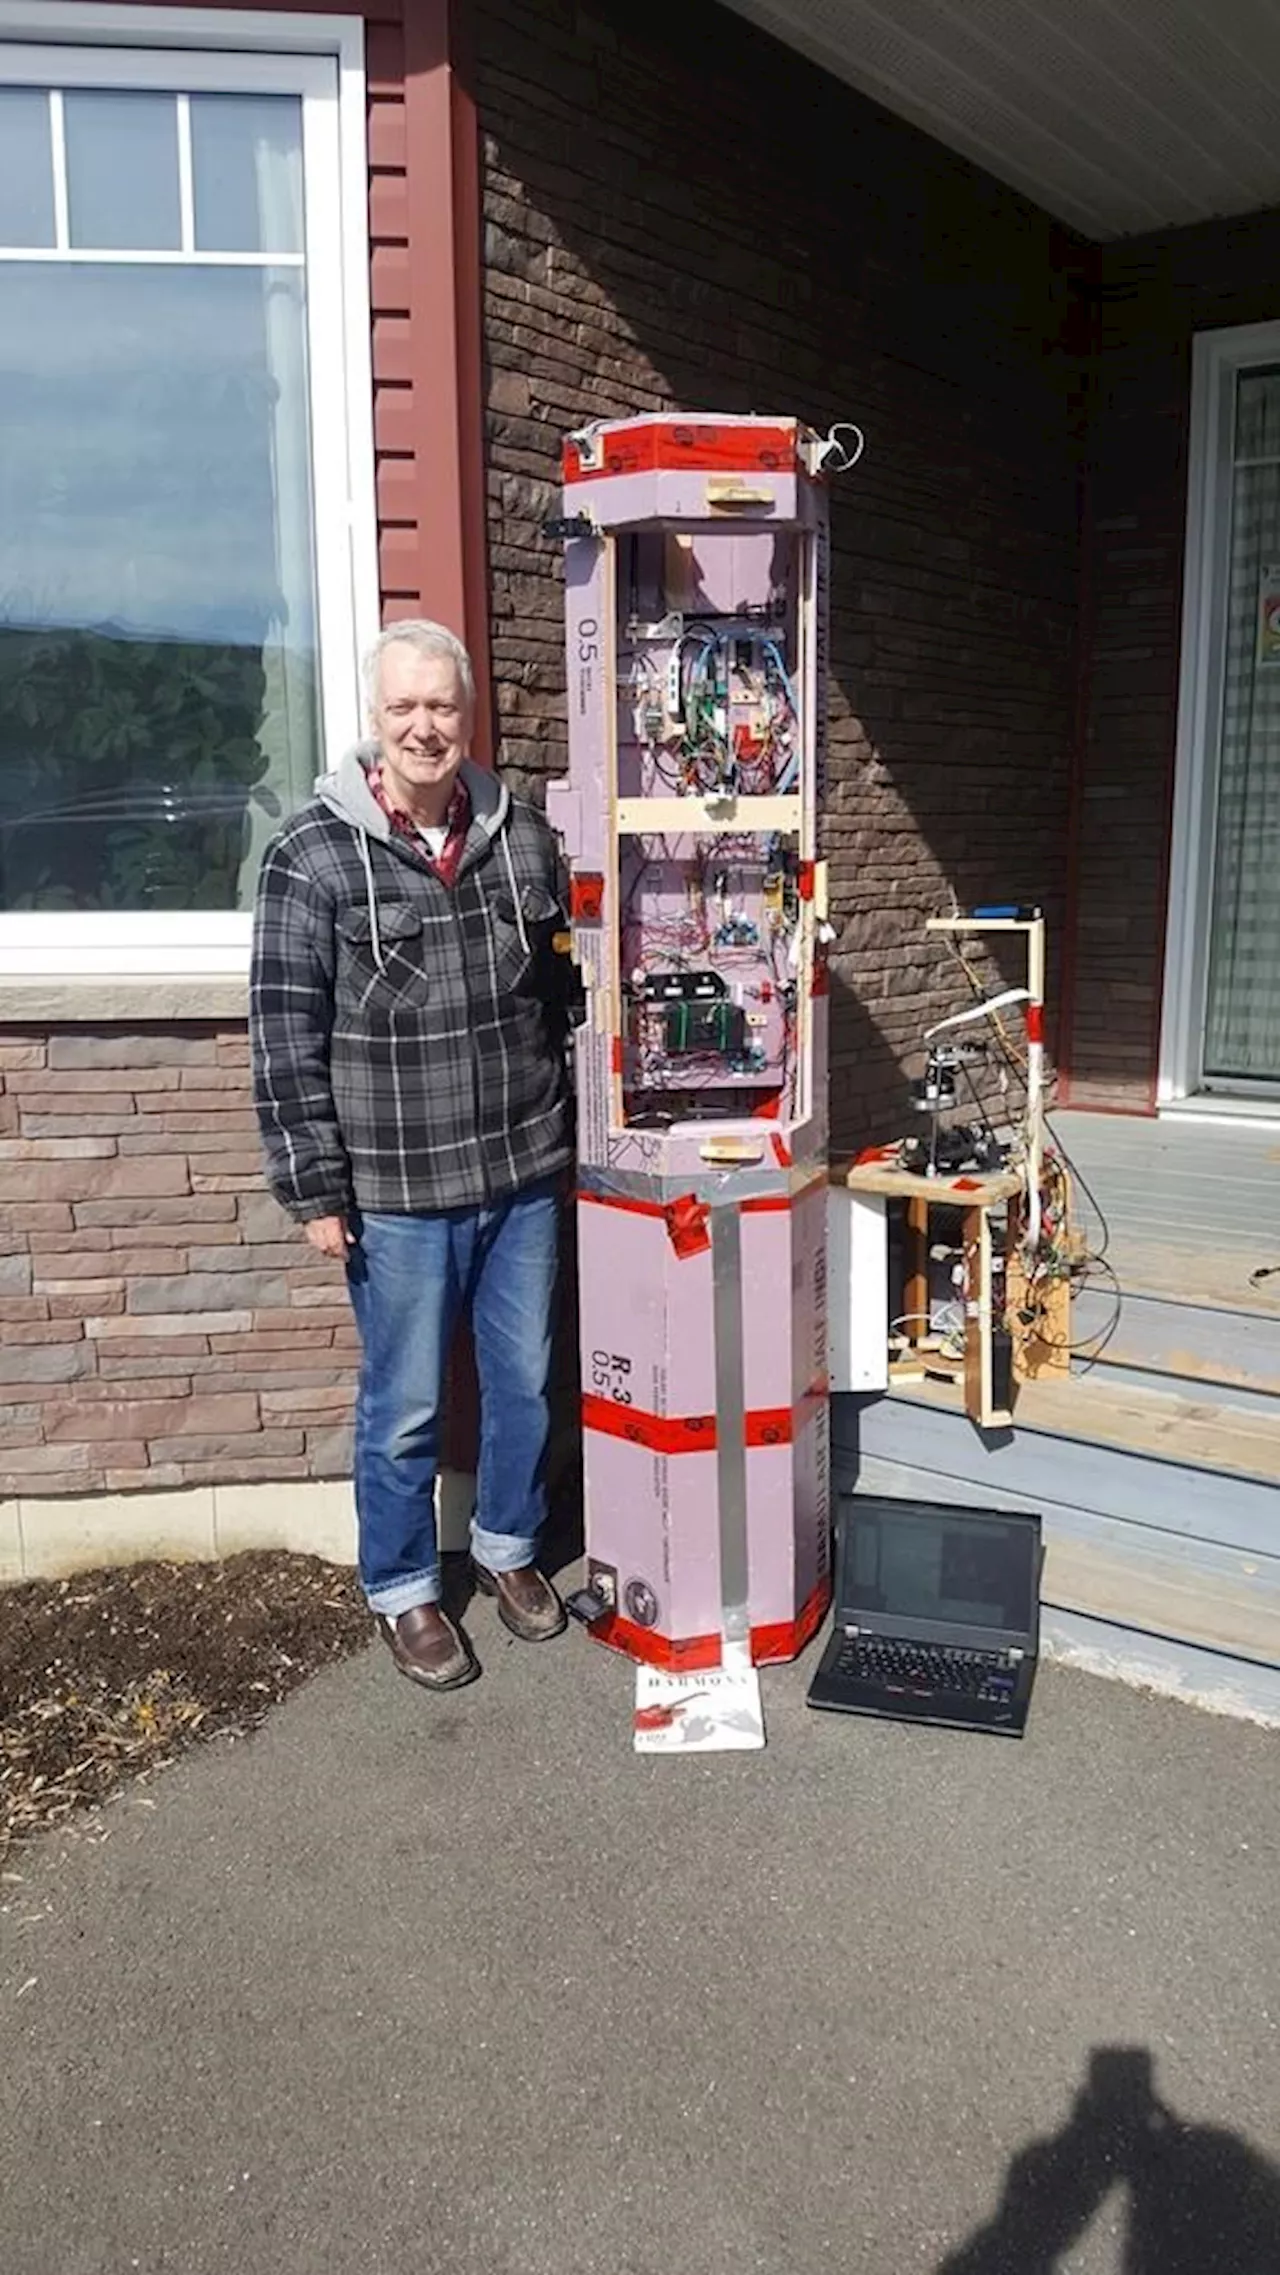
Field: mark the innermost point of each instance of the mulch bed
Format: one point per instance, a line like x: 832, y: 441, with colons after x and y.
x: 108, y: 1675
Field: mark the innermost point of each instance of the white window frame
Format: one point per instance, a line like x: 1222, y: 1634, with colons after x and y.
x: 1217, y: 360
x: 321, y: 59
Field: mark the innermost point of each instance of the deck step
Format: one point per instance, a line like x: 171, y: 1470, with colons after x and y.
x: 1160, y: 1338
x: 1179, y: 1425
x: 1161, y: 1512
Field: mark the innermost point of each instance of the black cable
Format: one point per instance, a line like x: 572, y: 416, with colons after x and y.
x: 1264, y: 1272
x: 1093, y: 1346
x: 1091, y: 1197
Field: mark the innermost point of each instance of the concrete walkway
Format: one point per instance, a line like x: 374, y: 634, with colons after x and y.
x: 461, y: 1985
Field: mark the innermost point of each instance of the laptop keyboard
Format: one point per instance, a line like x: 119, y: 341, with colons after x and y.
x: 926, y: 1667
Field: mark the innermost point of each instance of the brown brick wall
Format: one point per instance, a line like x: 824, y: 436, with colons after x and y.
x: 161, y: 1321
x: 1156, y: 293
x: 679, y: 213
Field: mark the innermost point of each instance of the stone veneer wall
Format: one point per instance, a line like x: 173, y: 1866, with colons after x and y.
x: 161, y: 1322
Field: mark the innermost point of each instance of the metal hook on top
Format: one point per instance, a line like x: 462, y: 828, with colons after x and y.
x: 837, y: 457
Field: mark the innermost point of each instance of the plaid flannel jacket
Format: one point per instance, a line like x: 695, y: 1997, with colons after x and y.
x: 409, y: 1038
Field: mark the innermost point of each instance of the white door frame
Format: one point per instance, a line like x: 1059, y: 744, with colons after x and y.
x: 1216, y: 359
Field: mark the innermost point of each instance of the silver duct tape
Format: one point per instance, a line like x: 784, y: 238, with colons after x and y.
x: 731, y: 1417
x: 718, y: 1188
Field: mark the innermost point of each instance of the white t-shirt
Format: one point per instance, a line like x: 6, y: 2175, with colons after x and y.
x: 434, y: 838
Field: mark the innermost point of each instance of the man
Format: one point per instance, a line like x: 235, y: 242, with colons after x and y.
x: 408, y: 1020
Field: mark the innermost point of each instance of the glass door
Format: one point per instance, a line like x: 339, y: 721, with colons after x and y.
x: 1241, y: 1042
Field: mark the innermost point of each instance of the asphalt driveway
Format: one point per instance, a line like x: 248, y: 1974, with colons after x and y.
x: 463, y: 1985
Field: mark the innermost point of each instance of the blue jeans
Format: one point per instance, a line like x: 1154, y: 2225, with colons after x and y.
x: 410, y: 1277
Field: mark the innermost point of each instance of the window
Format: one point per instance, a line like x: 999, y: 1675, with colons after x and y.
x: 181, y: 472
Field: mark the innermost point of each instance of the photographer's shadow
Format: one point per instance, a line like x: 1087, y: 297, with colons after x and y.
x: 1200, y: 2201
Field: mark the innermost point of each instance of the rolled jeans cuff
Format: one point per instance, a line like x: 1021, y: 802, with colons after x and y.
x: 406, y: 1595
x: 502, y: 1551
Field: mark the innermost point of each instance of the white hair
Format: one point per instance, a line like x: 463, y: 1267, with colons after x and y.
x: 428, y: 640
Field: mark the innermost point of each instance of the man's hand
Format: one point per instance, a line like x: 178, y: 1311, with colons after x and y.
x: 330, y: 1236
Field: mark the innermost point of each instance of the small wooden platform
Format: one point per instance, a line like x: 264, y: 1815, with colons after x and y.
x: 976, y: 1196
x: 988, y: 1191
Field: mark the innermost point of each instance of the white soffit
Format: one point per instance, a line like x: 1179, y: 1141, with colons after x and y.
x: 1116, y: 117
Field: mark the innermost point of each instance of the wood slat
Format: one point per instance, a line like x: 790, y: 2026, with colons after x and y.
x: 398, y: 560
x: 384, y: 60
x: 392, y: 349
x: 389, y: 280
x: 397, y: 490
x: 393, y: 418
x: 389, y: 208
x: 386, y: 133
x: 1203, y: 1434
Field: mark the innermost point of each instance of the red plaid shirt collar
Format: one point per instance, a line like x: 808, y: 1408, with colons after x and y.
x: 457, y: 822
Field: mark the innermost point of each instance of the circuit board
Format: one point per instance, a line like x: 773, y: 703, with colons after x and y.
x: 707, y: 925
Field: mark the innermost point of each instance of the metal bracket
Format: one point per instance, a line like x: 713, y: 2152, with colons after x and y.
x: 570, y: 525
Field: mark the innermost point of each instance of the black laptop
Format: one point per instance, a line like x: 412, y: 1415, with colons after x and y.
x: 937, y: 1615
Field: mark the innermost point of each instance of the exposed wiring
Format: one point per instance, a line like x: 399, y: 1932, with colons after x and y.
x: 688, y: 712
x: 1092, y: 1346
x: 935, y: 1321
x: 713, y: 714
x: 1097, y: 1255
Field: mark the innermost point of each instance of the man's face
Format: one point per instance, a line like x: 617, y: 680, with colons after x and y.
x: 422, y: 722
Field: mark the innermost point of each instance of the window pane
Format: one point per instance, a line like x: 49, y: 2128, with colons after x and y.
x: 122, y: 170
x: 159, y: 696
x: 246, y: 170
x: 26, y: 167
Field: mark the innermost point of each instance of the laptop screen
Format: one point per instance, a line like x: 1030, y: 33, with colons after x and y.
x: 904, y: 1560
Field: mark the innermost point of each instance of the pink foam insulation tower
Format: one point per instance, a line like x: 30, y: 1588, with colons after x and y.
x: 695, y: 583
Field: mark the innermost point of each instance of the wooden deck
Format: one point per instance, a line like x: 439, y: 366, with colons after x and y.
x: 1179, y: 1209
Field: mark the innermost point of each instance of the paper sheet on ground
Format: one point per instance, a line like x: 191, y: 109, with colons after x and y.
x: 716, y: 1712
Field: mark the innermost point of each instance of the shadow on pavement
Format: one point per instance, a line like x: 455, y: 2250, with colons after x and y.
x: 1200, y: 2198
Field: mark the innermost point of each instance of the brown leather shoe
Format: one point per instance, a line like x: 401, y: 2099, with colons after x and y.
x: 428, y: 1648
x: 527, y: 1603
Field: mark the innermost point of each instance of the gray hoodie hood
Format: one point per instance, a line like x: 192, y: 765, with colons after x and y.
x: 346, y: 793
